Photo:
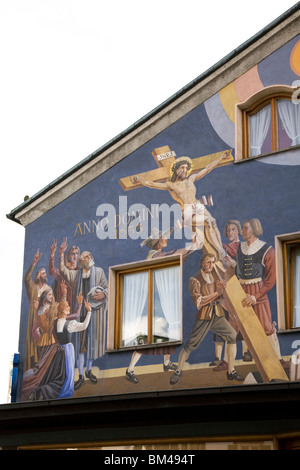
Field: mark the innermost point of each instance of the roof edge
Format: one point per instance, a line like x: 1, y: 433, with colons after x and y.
x: 164, y: 104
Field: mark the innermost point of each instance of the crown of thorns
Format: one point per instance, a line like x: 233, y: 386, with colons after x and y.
x: 180, y: 161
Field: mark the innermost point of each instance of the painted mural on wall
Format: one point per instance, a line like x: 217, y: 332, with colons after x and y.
x: 224, y: 223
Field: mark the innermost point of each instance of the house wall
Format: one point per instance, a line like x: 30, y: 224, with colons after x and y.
x: 266, y: 188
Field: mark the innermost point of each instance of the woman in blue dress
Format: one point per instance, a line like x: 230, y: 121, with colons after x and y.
x: 53, y: 376
x: 64, y: 327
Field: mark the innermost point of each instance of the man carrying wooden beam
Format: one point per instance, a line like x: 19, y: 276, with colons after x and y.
x: 206, y: 290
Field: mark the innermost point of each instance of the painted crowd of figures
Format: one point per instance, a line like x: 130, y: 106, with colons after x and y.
x: 67, y: 322
x: 74, y: 306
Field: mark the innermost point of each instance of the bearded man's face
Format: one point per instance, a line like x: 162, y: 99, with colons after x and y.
x: 86, y: 260
x: 42, y: 276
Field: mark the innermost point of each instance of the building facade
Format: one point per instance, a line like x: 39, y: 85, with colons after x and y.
x: 166, y: 304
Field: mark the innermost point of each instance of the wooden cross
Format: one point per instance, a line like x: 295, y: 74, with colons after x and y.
x: 164, y: 158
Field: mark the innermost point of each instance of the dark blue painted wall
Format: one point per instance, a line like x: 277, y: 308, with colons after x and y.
x: 250, y: 189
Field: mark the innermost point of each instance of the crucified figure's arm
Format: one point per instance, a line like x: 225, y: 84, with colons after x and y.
x: 209, y: 167
x: 150, y: 184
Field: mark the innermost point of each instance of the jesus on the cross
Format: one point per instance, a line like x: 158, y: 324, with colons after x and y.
x: 195, y: 215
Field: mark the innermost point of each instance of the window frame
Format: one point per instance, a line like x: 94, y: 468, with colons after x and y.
x: 288, y: 246
x: 284, y: 275
x: 269, y: 95
x: 115, y: 301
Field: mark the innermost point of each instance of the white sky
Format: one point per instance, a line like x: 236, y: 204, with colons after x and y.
x: 74, y: 74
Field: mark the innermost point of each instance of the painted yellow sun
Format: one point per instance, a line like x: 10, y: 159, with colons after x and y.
x: 295, y: 59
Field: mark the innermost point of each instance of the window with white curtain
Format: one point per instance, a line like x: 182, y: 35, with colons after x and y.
x: 289, y: 123
x: 275, y: 126
x: 134, y: 314
x: 146, y: 310
x: 259, y: 128
x: 267, y: 122
x: 166, y: 305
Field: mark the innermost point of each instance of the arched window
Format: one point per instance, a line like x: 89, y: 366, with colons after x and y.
x: 267, y: 122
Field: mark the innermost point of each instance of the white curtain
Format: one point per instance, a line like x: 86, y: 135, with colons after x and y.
x: 135, y: 293
x: 289, y: 113
x: 297, y: 290
x: 259, y: 126
x: 167, y: 282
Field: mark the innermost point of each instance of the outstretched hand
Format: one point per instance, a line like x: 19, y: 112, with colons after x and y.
x: 225, y: 154
x: 80, y: 298
x: 37, y: 256
x: 53, y: 247
x: 135, y: 179
x: 63, y: 246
